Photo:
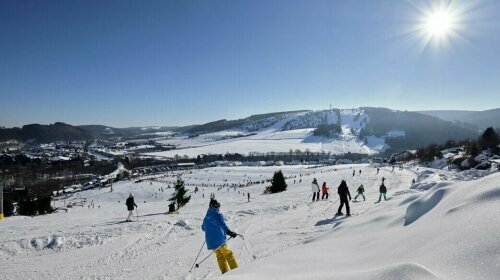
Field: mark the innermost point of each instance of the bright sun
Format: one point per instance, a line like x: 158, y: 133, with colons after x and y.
x: 439, y: 23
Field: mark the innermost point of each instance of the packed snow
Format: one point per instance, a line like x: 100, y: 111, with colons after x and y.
x: 443, y: 227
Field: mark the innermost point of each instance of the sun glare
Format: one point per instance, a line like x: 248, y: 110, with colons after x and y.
x: 439, y: 23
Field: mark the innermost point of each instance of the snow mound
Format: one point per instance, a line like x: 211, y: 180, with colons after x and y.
x: 426, y: 203
x: 50, y: 242
x: 423, y: 186
x: 183, y: 223
x: 408, y: 271
x: 424, y: 175
x: 474, y: 173
x: 246, y: 212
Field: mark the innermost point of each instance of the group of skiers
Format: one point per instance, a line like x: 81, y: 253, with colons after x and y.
x: 344, y: 194
x: 316, y: 190
x: 216, y: 230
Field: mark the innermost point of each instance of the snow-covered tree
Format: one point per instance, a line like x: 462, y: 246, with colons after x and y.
x: 278, y: 184
x: 179, y: 195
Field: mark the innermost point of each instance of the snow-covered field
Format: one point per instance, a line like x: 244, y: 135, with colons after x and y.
x: 294, y: 132
x: 280, y: 142
x: 444, y: 227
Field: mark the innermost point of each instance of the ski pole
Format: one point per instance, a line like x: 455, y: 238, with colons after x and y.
x: 308, y: 197
x: 198, y: 264
x: 331, y: 205
x: 194, y: 263
x: 211, y: 253
x: 137, y: 213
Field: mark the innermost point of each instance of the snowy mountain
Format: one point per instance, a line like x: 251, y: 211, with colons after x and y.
x: 252, y: 123
x: 338, y: 131
x: 443, y: 227
x: 419, y: 130
x: 362, y: 131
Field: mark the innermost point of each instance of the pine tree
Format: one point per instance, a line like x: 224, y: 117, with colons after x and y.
x: 472, y: 149
x: 27, y: 207
x: 32, y: 206
x: 179, y: 196
x: 44, y: 205
x: 8, y: 207
x: 278, y: 184
x: 489, y: 139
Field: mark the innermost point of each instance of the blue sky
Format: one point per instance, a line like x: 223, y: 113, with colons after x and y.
x: 135, y: 63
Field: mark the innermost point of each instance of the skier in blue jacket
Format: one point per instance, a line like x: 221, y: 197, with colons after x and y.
x: 215, y: 229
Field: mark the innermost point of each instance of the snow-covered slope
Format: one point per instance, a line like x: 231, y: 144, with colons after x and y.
x: 293, y: 131
x: 449, y: 232
x: 442, y: 227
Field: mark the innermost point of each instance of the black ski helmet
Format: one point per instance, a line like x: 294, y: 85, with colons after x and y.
x: 214, y: 203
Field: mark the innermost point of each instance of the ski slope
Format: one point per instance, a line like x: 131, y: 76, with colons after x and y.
x: 443, y: 227
x: 276, y: 137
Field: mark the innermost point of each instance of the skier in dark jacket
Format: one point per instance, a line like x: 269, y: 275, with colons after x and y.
x: 344, y: 194
x: 130, y: 207
x: 360, y: 191
x: 383, y: 191
x: 215, y: 229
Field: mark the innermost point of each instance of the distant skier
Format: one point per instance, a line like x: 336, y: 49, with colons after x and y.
x: 353, y: 173
x: 248, y: 197
x: 383, y: 191
x: 215, y: 229
x: 360, y: 172
x: 378, y: 170
x: 130, y: 207
x: 392, y: 168
x: 315, y: 189
x: 413, y: 181
x: 171, y: 207
x: 324, y: 189
x: 344, y: 193
x: 360, y: 191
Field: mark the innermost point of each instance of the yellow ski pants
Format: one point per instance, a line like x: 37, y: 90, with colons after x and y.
x: 225, y: 259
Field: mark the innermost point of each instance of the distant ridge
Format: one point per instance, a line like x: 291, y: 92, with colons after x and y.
x: 398, y: 129
x: 45, y: 133
x: 224, y: 124
x: 482, y: 119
